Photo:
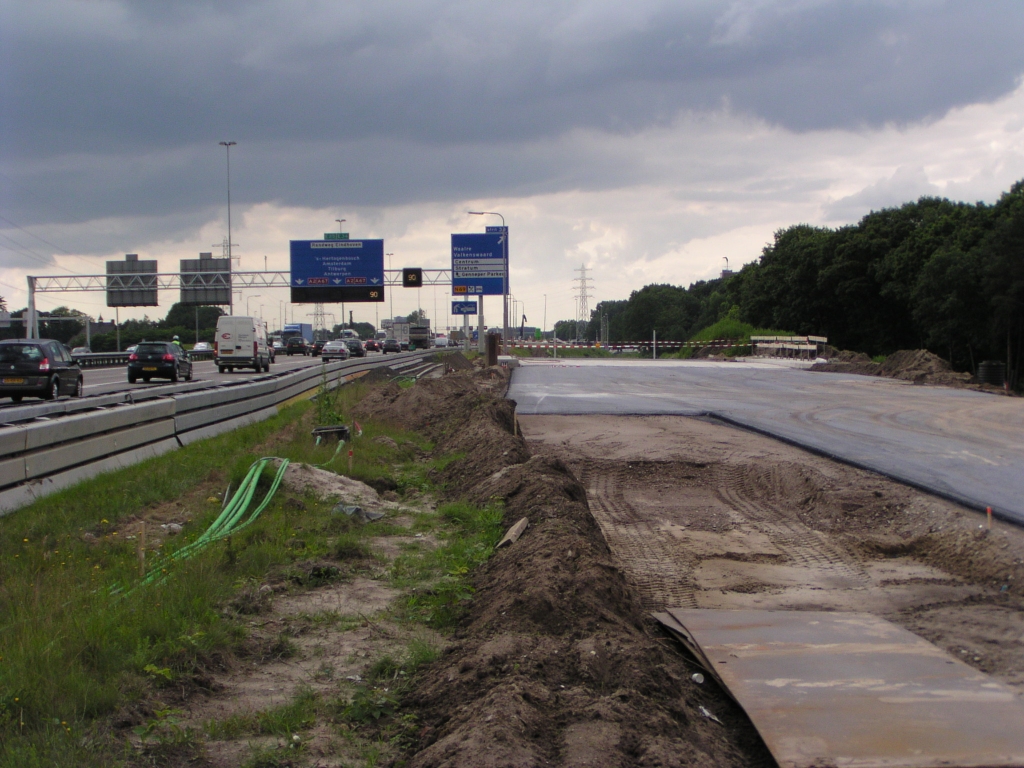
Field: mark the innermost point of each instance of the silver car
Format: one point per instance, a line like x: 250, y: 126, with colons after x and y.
x: 334, y: 350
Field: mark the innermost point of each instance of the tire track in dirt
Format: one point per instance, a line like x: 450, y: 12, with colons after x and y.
x: 659, y: 566
x: 648, y: 558
x: 800, y: 545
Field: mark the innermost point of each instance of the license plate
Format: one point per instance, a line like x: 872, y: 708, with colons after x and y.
x: 13, y: 381
x: 150, y: 369
x: 227, y: 351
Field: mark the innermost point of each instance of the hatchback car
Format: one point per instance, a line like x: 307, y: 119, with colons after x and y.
x: 372, y: 345
x: 81, y: 351
x: 295, y: 346
x: 202, y: 346
x: 316, y: 346
x: 391, y: 345
x: 356, y: 348
x: 334, y: 350
x: 159, y: 360
x: 38, y: 368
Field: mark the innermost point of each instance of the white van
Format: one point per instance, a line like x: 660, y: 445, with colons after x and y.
x: 241, y: 342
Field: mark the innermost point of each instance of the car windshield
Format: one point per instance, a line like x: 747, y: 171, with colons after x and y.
x: 151, y: 349
x: 19, y: 353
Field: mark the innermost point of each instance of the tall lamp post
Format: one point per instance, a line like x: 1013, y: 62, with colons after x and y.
x: 340, y: 228
x: 504, y: 280
x: 248, y: 299
x: 391, y: 290
x: 227, y: 149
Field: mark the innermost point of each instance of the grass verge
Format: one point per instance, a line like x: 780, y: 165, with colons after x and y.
x: 85, y: 667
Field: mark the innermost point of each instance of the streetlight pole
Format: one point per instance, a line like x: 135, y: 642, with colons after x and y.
x: 340, y: 228
x: 248, y: 299
x: 391, y: 290
x: 227, y: 148
x: 504, y: 279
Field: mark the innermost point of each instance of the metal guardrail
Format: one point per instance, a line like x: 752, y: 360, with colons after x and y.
x: 111, y: 359
x: 54, y: 445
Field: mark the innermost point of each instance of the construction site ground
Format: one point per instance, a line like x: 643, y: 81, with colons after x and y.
x: 557, y: 661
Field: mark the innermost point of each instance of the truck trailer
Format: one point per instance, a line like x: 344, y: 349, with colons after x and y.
x: 304, y: 330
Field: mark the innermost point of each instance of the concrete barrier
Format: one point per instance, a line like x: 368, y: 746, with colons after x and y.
x: 59, y: 444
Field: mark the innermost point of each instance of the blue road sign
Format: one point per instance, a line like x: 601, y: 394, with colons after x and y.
x: 331, y: 271
x: 479, y: 266
x: 463, y: 307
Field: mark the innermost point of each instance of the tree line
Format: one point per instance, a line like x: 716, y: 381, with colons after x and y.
x: 934, y: 274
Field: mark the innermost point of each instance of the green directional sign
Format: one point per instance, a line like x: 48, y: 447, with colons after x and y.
x: 335, y: 235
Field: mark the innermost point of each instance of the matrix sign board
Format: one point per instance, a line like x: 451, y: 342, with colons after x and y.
x: 131, y: 283
x: 478, y: 263
x: 412, y: 277
x: 332, y: 271
x: 205, y: 281
x: 463, y: 307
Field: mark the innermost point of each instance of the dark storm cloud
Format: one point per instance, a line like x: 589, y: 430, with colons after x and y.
x: 114, y: 108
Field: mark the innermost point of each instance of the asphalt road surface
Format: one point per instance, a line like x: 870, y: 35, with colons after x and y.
x: 963, y: 445
x: 101, y: 381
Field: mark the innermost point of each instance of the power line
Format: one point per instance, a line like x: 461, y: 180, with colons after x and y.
x: 43, y: 240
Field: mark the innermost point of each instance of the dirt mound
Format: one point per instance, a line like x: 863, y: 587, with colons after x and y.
x: 463, y: 412
x: 920, y: 365
x: 917, y: 365
x: 556, y: 662
x: 456, y: 361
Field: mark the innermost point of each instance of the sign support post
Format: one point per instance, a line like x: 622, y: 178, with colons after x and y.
x: 481, y: 346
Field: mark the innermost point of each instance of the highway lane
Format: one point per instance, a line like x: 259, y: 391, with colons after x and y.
x: 101, y: 381
x: 963, y: 445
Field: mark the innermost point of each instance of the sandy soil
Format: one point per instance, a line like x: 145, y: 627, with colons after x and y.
x: 703, y: 515
x: 557, y: 661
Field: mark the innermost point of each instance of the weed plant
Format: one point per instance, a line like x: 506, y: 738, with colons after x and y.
x: 437, y: 581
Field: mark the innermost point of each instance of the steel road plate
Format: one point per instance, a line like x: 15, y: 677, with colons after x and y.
x: 851, y: 689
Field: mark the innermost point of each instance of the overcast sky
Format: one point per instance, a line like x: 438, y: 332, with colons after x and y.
x: 647, y: 140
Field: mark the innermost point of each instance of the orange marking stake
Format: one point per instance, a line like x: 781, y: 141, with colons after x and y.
x: 988, y: 511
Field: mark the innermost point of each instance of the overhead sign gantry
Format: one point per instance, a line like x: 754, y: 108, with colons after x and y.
x: 335, y: 270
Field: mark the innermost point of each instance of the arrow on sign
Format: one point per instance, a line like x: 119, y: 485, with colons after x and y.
x: 374, y: 280
x: 299, y: 281
x: 337, y: 281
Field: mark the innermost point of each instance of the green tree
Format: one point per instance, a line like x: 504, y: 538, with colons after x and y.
x: 949, y: 305
x: 184, y: 316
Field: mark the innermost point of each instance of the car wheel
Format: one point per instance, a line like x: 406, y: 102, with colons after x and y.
x: 53, y: 391
x: 220, y: 369
x: 145, y: 379
x: 80, y: 387
x: 131, y: 379
x: 16, y: 398
x: 188, y: 376
x: 174, y: 375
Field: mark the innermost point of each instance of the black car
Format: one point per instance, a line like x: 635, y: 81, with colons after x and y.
x: 38, y: 368
x: 372, y: 345
x: 390, y: 345
x: 317, y: 347
x: 159, y: 360
x: 295, y: 346
x: 356, y: 348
